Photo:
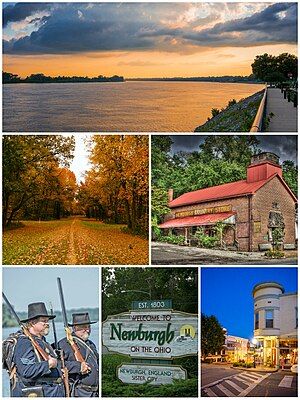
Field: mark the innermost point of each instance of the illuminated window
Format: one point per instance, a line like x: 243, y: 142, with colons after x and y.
x: 256, y: 320
x: 269, y: 314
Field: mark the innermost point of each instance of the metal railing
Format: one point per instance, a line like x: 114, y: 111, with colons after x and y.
x: 258, y: 120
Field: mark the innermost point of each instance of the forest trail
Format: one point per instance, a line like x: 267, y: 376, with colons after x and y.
x: 72, y: 241
x: 72, y: 259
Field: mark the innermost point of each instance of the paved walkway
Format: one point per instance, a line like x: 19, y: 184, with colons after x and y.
x: 165, y: 254
x: 285, y: 117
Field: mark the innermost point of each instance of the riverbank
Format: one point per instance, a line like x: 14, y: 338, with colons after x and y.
x: 234, y: 118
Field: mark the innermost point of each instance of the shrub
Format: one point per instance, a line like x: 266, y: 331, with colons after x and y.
x: 180, y: 239
x: 231, y: 102
x: 112, y: 387
x: 205, y: 240
x: 215, y: 112
x: 274, y: 254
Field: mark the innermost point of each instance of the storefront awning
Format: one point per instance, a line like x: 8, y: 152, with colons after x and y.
x: 197, y: 220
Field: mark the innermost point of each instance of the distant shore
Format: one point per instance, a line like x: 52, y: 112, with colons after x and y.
x: 217, y: 79
x: 9, y: 78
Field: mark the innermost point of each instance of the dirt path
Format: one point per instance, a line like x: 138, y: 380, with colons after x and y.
x: 72, y: 259
x: 72, y: 241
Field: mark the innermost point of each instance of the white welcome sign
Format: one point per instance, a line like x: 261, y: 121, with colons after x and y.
x: 152, y: 334
x: 153, y: 374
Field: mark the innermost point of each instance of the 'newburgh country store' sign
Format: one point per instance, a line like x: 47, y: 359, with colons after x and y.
x: 163, y: 334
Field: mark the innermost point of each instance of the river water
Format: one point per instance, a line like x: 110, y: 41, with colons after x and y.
x: 50, y: 339
x: 116, y: 107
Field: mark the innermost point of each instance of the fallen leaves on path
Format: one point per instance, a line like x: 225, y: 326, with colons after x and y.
x: 72, y: 241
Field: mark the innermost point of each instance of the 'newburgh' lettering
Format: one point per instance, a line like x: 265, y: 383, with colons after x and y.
x: 162, y: 337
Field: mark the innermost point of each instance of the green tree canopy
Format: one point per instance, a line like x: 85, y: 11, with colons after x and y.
x: 290, y: 175
x: 212, y: 335
x: 119, y: 286
x: 265, y: 66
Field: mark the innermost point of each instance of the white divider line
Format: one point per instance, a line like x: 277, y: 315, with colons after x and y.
x: 225, y: 390
x: 242, y: 380
x: 235, y: 386
x: 252, y: 386
x: 210, y: 393
x: 286, y: 381
x: 216, y: 382
x: 255, y: 374
x: 249, y: 378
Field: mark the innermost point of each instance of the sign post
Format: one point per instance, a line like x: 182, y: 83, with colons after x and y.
x: 151, y: 333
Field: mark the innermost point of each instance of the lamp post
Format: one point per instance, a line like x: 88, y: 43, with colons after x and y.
x: 254, y: 342
x: 138, y: 291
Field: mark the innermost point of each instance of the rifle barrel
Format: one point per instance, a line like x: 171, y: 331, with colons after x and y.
x: 11, y: 309
x: 53, y: 327
x: 62, y: 302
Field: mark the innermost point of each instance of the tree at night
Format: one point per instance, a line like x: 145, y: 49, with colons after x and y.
x: 212, y: 335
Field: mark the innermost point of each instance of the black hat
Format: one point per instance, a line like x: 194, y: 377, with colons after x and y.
x: 82, y: 319
x: 36, y: 310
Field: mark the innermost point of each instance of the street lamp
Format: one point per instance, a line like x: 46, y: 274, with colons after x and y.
x: 137, y: 291
x: 254, y: 342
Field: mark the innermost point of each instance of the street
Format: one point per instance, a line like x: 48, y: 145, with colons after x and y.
x: 223, y: 381
x: 166, y: 254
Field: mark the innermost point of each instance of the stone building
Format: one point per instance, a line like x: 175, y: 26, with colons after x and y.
x: 275, y: 325
x: 250, y: 210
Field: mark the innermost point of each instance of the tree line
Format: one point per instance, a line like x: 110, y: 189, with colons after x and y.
x: 281, y: 68
x: 8, y: 77
x: 38, y: 184
x: 122, y: 286
x: 9, y: 321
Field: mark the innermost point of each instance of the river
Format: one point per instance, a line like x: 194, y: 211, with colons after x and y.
x: 60, y: 334
x: 132, y: 106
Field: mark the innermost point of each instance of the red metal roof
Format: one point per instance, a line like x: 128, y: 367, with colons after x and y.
x: 197, y: 220
x: 227, y: 190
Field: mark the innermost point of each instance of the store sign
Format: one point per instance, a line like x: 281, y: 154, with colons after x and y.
x: 152, y: 305
x: 152, y: 334
x: 153, y: 374
x: 202, y: 211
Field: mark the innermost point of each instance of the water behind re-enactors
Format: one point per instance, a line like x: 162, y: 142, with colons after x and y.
x: 116, y: 107
x: 60, y: 332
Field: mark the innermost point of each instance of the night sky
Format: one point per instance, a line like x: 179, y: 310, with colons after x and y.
x: 227, y: 294
x: 285, y: 146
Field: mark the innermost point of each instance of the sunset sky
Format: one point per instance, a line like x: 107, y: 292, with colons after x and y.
x: 144, y: 39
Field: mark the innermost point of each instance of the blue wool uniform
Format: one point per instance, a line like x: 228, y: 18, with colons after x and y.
x: 82, y: 385
x: 32, y: 371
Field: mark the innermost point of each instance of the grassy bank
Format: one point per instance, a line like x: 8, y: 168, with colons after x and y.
x: 234, y: 118
x: 112, y: 387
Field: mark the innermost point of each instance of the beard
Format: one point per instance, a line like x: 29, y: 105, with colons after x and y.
x: 46, y: 331
x: 85, y: 336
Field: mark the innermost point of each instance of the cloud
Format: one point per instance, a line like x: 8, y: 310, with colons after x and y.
x: 20, y: 11
x: 275, y: 24
x: 69, y: 28
x: 284, y: 146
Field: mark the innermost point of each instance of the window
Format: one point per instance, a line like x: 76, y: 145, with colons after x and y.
x: 269, y: 318
x: 296, y: 310
x: 256, y: 320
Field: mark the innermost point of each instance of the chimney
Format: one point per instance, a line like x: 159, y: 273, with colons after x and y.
x: 263, y: 165
x: 170, y: 195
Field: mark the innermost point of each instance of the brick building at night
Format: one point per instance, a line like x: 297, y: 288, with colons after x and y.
x: 250, y: 209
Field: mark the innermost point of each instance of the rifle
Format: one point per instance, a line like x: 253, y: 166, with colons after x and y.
x: 65, y: 372
x: 26, y: 332
x: 73, y: 344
